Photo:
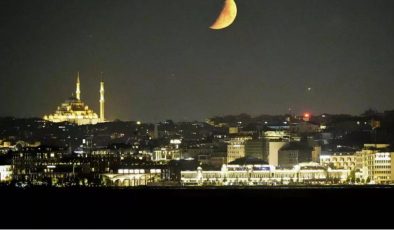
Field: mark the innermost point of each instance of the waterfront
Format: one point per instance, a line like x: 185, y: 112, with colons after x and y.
x: 315, y: 206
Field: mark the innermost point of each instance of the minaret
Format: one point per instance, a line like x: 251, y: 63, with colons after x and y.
x: 102, y: 119
x: 78, y: 91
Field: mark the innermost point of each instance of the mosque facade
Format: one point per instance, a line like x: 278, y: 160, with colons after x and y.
x: 74, y: 110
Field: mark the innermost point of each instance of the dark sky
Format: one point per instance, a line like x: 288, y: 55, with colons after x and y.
x: 161, y: 61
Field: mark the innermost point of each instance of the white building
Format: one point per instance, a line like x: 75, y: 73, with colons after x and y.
x: 236, y: 148
x: 5, y: 173
x: 340, y: 160
x: 265, y: 175
x: 274, y: 141
x: 132, y: 177
x: 166, y: 153
x: 276, y: 135
x: 273, y: 148
x: 376, y: 163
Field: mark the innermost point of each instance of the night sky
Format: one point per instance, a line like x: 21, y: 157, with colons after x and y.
x: 161, y: 61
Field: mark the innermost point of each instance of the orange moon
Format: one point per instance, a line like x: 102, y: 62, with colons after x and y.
x: 226, y: 17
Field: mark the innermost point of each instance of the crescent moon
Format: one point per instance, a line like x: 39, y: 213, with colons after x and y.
x: 227, y: 15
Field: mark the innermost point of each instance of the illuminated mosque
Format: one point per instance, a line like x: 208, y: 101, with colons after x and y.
x: 74, y: 110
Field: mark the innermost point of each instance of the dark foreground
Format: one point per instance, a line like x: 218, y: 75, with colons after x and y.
x: 283, y: 207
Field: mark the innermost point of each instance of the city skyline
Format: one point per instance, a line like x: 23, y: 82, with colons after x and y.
x: 161, y: 61
x: 196, y: 113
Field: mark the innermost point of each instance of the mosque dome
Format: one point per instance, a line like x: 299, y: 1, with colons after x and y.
x: 74, y: 110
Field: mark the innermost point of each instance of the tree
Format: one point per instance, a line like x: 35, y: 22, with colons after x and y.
x: 369, y: 113
x: 352, y: 177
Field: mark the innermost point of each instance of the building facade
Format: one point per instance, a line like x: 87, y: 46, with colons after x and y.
x: 306, y: 173
x: 254, y: 148
x: 340, y: 160
x: 166, y: 153
x: 272, y: 148
x: 74, y: 110
x: 132, y: 177
x: 236, y: 148
x: 377, y: 165
x: 5, y: 173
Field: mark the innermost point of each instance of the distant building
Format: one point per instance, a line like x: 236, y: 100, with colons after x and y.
x: 5, y: 173
x: 247, y: 161
x: 7, y: 145
x: 316, y: 152
x: 276, y: 135
x: 376, y: 163
x: 272, y: 148
x: 273, y: 142
x: 340, y: 160
x: 195, y: 152
x: 166, y: 153
x: 217, y: 161
x: 74, y: 110
x: 265, y: 175
x: 156, y: 131
x: 254, y: 148
x: 305, y: 127
x: 233, y: 130
x: 133, y: 177
x: 288, y: 157
x: 294, y: 153
x: 236, y: 148
x: 213, y: 160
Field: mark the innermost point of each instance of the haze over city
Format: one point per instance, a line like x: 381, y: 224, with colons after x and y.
x: 161, y: 61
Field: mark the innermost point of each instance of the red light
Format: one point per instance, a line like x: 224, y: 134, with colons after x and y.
x: 306, y: 115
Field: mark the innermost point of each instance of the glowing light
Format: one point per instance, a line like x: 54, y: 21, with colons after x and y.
x: 227, y: 15
x: 175, y: 141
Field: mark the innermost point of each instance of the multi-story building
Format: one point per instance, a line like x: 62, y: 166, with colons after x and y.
x: 272, y: 150
x: 276, y: 135
x: 340, y: 160
x: 376, y: 163
x: 316, y: 152
x: 265, y: 175
x: 166, y: 153
x: 5, y: 173
x: 59, y: 165
x: 195, y: 152
x: 236, y: 148
x: 273, y: 142
x: 254, y: 148
x: 42, y: 162
x: 130, y: 177
x: 304, y: 127
x: 233, y: 130
x: 293, y: 153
